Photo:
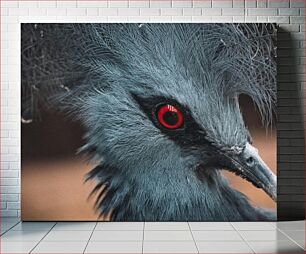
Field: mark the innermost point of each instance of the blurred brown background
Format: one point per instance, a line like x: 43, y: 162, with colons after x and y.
x: 52, y: 175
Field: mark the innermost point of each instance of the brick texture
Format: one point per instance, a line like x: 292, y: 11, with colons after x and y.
x: 290, y: 14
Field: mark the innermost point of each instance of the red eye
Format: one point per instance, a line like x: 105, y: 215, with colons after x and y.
x: 170, y: 116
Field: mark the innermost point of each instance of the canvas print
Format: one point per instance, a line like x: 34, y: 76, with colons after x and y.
x: 148, y: 122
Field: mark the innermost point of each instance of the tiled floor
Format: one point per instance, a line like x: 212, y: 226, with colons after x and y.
x: 152, y: 237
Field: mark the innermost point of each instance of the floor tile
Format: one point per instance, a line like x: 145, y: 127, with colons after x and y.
x: 273, y: 223
x: 169, y: 247
x: 301, y: 243
x: 297, y: 235
x: 166, y: 226
x: 253, y: 225
x: 291, y: 225
x: 119, y: 226
x: 64, y: 226
x: 3, y: 230
x: 168, y: 236
x: 211, y: 226
x: 263, y: 235
x: 223, y: 247
x: 216, y: 236
x: 123, y: 236
x: 60, y: 247
x: 33, y: 226
x: 17, y: 247
x: 9, y: 220
x: 276, y: 247
x: 69, y: 236
x: 22, y: 236
x: 9, y: 224
x: 114, y: 247
x: 5, y: 226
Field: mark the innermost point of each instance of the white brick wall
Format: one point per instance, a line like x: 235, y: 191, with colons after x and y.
x: 289, y: 13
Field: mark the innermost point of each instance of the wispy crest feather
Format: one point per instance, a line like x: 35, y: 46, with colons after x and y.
x: 68, y: 61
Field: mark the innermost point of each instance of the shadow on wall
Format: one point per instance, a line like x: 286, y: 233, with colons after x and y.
x: 290, y: 131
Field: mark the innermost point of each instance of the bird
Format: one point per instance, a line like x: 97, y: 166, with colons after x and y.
x: 160, y: 106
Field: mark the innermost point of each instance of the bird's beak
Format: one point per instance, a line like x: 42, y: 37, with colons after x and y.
x: 249, y: 165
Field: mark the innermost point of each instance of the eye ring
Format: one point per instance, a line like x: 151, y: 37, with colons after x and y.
x: 170, y: 116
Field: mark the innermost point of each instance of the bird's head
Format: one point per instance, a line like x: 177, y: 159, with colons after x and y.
x: 182, y: 131
x: 170, y: 104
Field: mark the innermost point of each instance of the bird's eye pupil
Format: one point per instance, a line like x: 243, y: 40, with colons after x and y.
x: 170, y: 116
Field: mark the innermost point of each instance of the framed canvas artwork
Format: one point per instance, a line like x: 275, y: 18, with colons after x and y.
x: 148, y: 122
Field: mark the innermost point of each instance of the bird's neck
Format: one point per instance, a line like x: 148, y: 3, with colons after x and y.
x: 158, y: 197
